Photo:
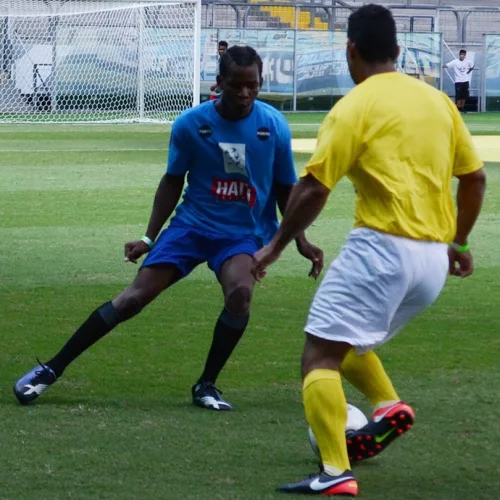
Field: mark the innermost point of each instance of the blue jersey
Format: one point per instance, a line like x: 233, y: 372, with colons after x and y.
x: 231, y: 167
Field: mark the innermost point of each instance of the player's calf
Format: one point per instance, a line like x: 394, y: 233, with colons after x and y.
x: 129, y: 304
x: 148, y: 284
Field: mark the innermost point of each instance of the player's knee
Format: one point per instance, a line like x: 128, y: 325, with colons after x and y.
x: 238, y: 300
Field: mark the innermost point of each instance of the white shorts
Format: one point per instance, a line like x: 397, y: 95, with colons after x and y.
x: 376, y: 285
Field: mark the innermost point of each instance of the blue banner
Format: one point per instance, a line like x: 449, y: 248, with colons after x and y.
x: 321, y: 65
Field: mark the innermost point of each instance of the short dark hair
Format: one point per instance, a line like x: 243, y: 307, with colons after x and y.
x: 463, y: 51
x: 372, y: 29
x: 242, y: 56
x: 223, y: 43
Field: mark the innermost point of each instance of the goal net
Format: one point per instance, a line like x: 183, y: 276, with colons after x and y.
x: 98, y: 60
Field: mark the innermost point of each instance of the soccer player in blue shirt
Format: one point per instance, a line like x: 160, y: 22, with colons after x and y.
x: 236, y: 154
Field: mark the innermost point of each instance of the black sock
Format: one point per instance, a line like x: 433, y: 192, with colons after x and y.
x: 228, y: 332
x: 98, y: 324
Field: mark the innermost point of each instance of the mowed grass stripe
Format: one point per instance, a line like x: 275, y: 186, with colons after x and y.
x: 83, y: 255
x: 24, y: 173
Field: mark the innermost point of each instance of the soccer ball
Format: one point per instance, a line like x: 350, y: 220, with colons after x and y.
x: 355, y: 420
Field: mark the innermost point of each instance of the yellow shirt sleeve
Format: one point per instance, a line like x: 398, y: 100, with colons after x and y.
x: 336, y: 152
x: 467, y: 159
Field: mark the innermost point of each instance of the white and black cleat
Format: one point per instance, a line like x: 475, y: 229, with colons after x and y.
x: 34, y: 383
x: 206, y: 395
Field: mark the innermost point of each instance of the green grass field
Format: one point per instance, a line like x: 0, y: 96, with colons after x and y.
x: 120, y: 424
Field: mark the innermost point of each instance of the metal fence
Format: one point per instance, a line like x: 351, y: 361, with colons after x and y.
x: 460, y: 28
x: 458, y: 25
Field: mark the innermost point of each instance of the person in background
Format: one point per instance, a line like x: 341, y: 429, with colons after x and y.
x: 463, y: 73
x: 214, y: 89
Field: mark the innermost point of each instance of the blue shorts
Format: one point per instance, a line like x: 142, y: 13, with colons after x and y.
x: 186, y: 248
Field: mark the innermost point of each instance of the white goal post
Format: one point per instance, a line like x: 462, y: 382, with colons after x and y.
x: 98, y: 60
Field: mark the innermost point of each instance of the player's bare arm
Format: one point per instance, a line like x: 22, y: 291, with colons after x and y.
x: 166, y: 198
x: 470, y: 196
x: 306, y: 202
x: 304, y: 247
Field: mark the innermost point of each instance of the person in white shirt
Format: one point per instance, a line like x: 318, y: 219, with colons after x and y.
x: 463, y: 73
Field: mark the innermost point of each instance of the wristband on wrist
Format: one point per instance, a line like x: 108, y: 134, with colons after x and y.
x: 460, y: 248
x: 148, y: 241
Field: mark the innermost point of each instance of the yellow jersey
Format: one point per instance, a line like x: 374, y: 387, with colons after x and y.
x: 400, y: 142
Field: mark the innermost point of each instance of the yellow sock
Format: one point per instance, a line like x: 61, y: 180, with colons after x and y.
x: 366, y: 373
x: 326, y: 412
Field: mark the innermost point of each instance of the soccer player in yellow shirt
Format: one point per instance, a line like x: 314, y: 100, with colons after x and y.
x: 400, y: 142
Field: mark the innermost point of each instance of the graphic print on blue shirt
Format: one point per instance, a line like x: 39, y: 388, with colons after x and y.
x: 231, y: 167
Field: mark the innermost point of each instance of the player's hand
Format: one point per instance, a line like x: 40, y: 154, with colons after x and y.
x: 213, y: 87
x: 461, y: 263
x: 314, y: 254
x: 135, y: 249
x: 262, y: 259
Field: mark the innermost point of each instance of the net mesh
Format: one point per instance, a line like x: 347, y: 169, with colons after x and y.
x: 93, y: 61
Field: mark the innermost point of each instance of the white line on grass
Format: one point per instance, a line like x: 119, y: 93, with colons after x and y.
x: 83, y: 150
x: 471, y: 126
x: 310, y: 125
